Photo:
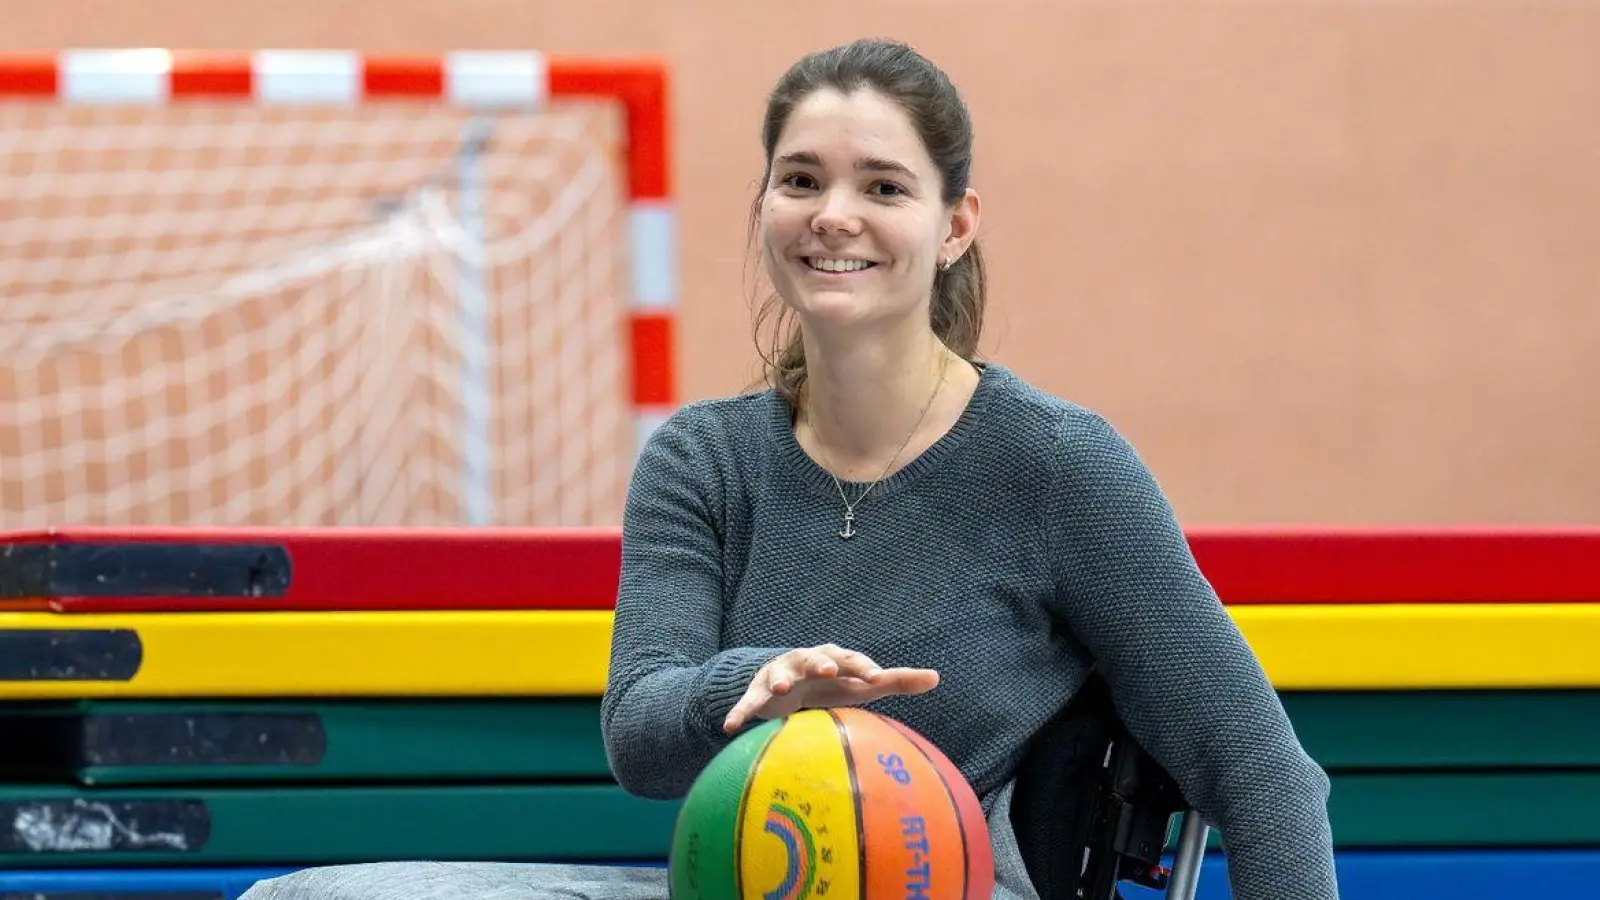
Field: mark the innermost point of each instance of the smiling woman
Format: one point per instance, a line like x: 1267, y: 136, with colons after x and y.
x: 894, y: 523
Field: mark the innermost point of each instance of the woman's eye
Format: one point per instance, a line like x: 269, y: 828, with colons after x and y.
x: 799, y: 180
x: 888, y: 189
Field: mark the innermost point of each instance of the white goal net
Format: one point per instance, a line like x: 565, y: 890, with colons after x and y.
x: 391, y: 314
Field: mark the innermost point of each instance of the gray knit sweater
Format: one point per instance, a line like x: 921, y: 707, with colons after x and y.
x: 1027, y: 544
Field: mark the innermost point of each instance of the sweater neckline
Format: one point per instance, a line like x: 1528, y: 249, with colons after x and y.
x: 812, y: 473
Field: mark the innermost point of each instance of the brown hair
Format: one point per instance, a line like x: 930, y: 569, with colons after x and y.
x: 940, y: 116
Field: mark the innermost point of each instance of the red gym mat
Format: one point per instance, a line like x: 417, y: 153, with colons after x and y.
x: 1401, y: 565
x: 206, y: 569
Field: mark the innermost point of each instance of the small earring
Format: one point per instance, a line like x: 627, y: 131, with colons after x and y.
x: 945, y: 266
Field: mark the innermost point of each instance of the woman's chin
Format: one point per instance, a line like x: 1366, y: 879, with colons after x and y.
x: 833, y: 305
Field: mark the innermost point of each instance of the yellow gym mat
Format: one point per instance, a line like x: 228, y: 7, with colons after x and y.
x: 564, y: 653
x: 530, y: 653
x: 1426, y: 645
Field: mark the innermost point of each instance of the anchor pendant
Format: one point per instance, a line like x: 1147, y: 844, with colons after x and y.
x: 849, y: 530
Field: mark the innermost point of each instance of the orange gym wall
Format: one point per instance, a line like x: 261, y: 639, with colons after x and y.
x: 1322, y: 262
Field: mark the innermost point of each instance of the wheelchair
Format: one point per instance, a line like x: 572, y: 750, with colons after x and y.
x: 1092, y: 809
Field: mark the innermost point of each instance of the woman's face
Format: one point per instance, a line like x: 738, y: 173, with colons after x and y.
x: 853, y: 222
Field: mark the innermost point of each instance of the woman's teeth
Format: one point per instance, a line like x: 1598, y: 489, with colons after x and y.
x: 838, y: 265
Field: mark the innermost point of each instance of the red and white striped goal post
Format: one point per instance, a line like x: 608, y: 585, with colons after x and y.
x: 469, y: 79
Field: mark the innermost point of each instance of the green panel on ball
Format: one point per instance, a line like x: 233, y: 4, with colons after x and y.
x: 701, y: 861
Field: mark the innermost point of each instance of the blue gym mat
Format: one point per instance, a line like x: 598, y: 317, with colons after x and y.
x: 1437, y: 875
x: 1363, y: 875
x: 133, y: 884
x: 149, y: 884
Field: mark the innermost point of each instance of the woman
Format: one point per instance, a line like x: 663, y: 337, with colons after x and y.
x: 893, y: 523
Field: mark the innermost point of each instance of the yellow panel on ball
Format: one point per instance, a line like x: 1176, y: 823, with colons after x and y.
x: 801, y: 800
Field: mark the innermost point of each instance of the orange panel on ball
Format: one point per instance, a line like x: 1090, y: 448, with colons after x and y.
x: 912, y: 840
x: 969, y: 814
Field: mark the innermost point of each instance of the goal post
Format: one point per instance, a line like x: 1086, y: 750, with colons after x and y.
x: 328, y: 287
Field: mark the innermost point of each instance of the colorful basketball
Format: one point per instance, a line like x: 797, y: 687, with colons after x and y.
x: 835, y: 803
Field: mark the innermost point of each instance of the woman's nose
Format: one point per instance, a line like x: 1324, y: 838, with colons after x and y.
x: 837, y: 212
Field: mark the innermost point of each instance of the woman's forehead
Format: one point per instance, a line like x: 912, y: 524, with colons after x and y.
x: 862, y: 130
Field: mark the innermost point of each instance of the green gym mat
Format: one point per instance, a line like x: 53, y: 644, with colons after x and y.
x: 60, y: 826
x: 1357, y: 731
x: 186, y: 742
x: 1464, y: 810
x: 1460, y: 809
x: 55, y: 826
x: 152, y: 742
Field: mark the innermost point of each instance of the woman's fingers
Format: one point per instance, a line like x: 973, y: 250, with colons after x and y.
x: 831, y: 660
x: 850, y: 691
x: 822, y: 676
x: 853, y: 663
x: 774, y: 678
x: 788, y: 670
x: 778, y: 678
x: 820, y: 663
x: 755, y: 696
x: 908, y: 681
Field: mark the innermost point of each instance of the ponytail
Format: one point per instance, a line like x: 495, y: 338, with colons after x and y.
x: 959, y: 295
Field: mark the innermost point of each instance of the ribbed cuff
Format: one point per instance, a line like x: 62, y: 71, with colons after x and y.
x: 727, y: 676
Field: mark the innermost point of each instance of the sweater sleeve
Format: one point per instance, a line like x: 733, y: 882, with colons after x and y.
x: 670, y: 683
x: 1181, y: 674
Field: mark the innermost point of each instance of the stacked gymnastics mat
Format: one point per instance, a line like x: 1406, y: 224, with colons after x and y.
x: 183, y: 711
x: 1449, y: 682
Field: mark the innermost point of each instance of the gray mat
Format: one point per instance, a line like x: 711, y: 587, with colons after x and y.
x: 465, y: 881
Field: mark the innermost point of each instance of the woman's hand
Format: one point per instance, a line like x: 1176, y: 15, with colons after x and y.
x: 816, y: 677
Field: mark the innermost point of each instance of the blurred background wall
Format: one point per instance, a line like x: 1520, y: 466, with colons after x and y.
x: 1330, y: 262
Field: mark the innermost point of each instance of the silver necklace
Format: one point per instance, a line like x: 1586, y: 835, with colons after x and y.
x: 849, y: 529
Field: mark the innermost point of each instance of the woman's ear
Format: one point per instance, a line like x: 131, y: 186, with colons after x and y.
x: 963, y: 226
